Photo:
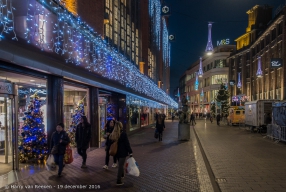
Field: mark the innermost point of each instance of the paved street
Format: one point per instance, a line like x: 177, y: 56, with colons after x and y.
x: 241, y: 160
x: 170, y: 165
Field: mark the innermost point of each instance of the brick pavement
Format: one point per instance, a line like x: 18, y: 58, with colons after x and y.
x: 241, y: 160
x: 170, y: 165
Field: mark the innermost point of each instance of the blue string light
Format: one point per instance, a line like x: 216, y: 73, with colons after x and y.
x: 53, y: 29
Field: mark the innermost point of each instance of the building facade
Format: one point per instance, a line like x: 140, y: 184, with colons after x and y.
x: 201, y: 91
x: 259, y: 58
x: 50, y: 54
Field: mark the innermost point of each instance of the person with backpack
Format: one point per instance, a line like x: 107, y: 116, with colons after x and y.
x: 108, y: 130
x: 59, y: 141
x: 82, y: 138
x: 160, y: 125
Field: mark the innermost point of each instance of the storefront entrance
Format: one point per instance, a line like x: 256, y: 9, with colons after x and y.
x: 7, y: 133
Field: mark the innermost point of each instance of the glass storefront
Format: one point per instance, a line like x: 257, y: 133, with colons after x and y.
x: 134, y: 117
x: 75, y: 105
x: 30, y: 118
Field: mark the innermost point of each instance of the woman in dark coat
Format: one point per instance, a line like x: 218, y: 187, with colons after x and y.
x: 82, y: 139
x: 160, y: 125
x: 60, y: 138
x: 107, y: 131
x: 123, y: 149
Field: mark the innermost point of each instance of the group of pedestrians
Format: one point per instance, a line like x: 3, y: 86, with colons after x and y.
x: 114, y: 133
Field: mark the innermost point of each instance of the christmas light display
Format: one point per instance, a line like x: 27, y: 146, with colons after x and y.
x: 179, y: 95
x: 200, y: 73
x: 197, y: 82
x: 33, y: 142
x: 78, y: 112
x: 238, y: 81
x: 155, y: 14
x: 209, y: 48
x: 202, y: 93
x: 259, y: 71
x: 110, y: 110
x: 53, y: 29
x: 166, y: 44
x: 132, y: 100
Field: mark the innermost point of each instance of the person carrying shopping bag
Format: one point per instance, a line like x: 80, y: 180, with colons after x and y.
x: 59, y: 141
x: 82, y: 139
x: 107, y: 131
x: 123, y: 149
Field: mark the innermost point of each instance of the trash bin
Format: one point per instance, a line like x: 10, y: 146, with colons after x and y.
x: 184, y: 132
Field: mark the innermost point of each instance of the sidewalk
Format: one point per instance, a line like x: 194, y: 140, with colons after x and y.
x: 241, y: 160
x: 170, y: 165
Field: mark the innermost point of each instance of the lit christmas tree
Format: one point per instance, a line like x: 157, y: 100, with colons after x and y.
x: 110, y: 111
x: 79, y: 111
x: 223, y: 98
x: 33, y: 142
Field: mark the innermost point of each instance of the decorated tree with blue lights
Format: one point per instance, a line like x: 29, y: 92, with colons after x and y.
x: 110, y: 111
x: 223, y: 97
x: 78, y: 112
x: 33, y: 142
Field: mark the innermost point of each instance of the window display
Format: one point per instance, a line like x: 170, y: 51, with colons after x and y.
x: 75, y: 105
x: 134, y: 117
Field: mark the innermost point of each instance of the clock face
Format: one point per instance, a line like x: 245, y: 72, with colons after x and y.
x: 165, y: 9
x: 171, y: 37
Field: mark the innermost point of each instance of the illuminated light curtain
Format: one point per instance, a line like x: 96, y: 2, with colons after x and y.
x: 209, y: 48
x: 166, y: 45
x: 155, y: 14
x: 200, y: 73
x: 7, y: 19
x: 238, y: 81
x: 79, y: 44
x: 259, y: 71
x: 197, y: 82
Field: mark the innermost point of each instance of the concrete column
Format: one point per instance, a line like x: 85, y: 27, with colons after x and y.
x: 55, y: 101
x: 94, y: 116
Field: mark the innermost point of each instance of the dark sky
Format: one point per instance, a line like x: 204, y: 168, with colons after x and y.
x: 189, y: 23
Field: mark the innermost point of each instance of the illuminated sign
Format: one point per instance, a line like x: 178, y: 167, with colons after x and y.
x: 275, y: 63
x: 223, y: 42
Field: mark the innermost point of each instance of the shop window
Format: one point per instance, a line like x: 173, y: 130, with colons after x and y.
x: 75, y: 105
x: 31, y: 116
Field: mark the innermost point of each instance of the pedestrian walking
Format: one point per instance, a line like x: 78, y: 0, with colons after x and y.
x: 218, y: 119
x: 59, y: 141
x: 160, y: 124
x: 123, y: 149
x: 82, y: 139
x: 211, y: 118
x: 173, y: 117
x: 107, y: 131
x: 192, y: 119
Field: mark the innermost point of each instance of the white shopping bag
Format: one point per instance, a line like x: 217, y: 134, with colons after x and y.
x: 132, y: 167
x: 50, y: 164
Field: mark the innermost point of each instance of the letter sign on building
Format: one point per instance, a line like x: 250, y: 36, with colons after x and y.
x: 275, y: 63
x: 223, y: 42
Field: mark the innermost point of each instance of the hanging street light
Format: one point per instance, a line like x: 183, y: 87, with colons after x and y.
x: 238, y: 81
x: 209, y: 48
x: 259, y: 71
x: 200, y: 73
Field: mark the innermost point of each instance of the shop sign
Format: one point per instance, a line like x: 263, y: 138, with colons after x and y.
x: 275, y: 63
x: 223, y: 42
x: 6, y: 87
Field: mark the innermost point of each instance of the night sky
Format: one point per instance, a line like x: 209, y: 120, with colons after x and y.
x: 189, y: 23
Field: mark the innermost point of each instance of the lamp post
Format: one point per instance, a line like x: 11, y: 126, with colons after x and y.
x: 209, y: 48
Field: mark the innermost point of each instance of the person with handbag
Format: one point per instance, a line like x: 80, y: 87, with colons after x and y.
x: 82, y: 139
x: 107, y: 131
x: 59, y: 141
x: 123, y: 149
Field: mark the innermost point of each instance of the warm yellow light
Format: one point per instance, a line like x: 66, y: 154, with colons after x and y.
x: 141, y: 67
x: 71, y: 6
x: 209, y: 53
x: 105, y: 21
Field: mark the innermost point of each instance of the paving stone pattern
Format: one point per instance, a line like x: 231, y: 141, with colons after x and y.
x: 169, y: 165
x: 241, y: 160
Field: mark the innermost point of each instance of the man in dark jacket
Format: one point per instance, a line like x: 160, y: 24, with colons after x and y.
x: 192, y: 119
x: 82, y: 138
x: 60, y: 140
x: 160, y: 124
x: 218, y: 118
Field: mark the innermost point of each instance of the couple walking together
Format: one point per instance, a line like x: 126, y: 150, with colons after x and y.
x: 114, y: 133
